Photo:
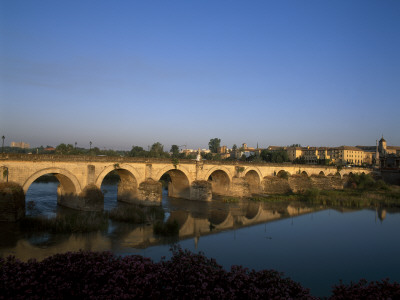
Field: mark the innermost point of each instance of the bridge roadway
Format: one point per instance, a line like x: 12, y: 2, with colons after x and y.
x: 81, y: 177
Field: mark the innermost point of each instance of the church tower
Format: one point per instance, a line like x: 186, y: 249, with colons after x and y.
x: 377, y: 154
x: 382, y: 146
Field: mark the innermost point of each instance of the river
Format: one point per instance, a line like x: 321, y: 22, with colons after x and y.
x: 316, y: 246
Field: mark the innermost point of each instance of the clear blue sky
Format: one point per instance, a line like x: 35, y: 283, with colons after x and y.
x: 123, y: 73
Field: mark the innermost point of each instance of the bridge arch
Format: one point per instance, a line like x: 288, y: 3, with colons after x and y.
x: 321, y: 173
x: 171, y: 167
x: 253, y: 178
x: 283, y: 174
x: 219, y: 168
x: 128, y: 185
x: 68, y: 182
x: 179, y: 186
x: 256, y: 170
x: 117, y: 168
x: 220, y: 179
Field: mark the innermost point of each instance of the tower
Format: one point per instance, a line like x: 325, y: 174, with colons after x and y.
x: 382, y: 146
x: 377, y: 154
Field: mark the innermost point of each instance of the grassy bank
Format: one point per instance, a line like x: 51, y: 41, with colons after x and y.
x: 352, y: 198
x: 362, y: 191
x: 345, y: 197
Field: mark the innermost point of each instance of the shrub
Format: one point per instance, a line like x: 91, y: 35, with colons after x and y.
x: 366, y: 290
x: 102, y: 275
x: 230, y: 200
x: 283, y: 174
x: 381, y: 185
x: 311, y: 195
x: 363, y: 182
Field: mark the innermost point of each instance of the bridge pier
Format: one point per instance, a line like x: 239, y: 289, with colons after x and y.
x: 240, y: 187
x: 201, y: 190
x: 90, y: 199
x: 127, y: 193
x: 149, y: 193
x: 12, y: 202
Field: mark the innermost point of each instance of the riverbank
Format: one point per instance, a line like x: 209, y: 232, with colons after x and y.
x: 346, y: 197
x: 362, y: 191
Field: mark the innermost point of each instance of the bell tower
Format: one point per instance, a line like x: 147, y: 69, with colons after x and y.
x: 382, y: 146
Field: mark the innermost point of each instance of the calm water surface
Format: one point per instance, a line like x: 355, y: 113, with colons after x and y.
x: 315, y: 246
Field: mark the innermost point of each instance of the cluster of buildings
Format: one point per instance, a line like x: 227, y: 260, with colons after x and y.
x: 381, y: 155
x: 20, y: 145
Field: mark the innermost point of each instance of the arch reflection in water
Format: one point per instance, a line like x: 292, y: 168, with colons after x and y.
x: 194, y: 218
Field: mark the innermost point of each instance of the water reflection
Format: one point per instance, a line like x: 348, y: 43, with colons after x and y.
x: 195, y: 219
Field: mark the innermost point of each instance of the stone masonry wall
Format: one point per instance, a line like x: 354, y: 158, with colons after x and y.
x: 12, y: 202
x: 321, y: 182
x: 276, y: 185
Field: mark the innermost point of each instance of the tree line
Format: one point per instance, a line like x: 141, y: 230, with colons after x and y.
x: 157, y: 151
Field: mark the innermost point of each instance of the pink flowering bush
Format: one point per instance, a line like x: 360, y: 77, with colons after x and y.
x: 367, y: 290
x: 94, y: 275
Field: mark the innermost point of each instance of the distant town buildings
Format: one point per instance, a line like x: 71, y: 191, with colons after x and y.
x: 389, y: 156
x: 194, y: 152
x: 20, y: 145
x: 381, y: 155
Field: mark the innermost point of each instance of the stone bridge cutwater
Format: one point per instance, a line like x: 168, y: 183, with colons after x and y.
x: 80, y: 177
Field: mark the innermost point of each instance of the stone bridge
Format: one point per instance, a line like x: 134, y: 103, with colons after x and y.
x: 81, y: 177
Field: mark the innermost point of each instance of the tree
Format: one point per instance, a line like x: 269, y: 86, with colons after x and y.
x: 254, y: 158
x: 95, y: 151
x: 234, y: 147
x: 207, y: 156
x: 299, y: 160
x: 266, y: 155
x: 137, y: 152
x: 174, y: 150
x: 214, y: 144
x: 216, y: 157
x: 64, y: 149
x: 279, y: 156
x: 157, y: 150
